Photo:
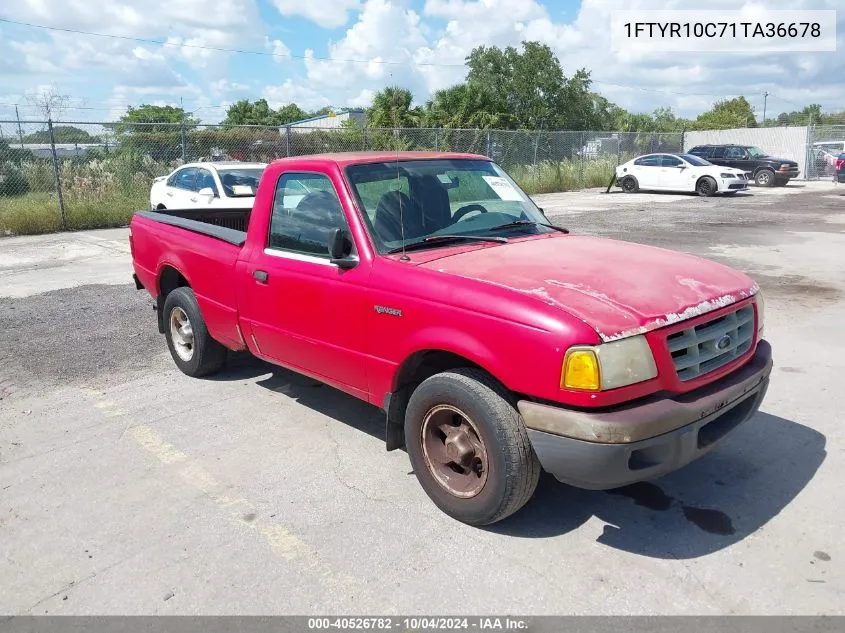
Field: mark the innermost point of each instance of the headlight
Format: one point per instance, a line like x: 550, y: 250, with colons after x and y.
x: 608, y: 366
x: 761, y: 312
x: 728, y: 176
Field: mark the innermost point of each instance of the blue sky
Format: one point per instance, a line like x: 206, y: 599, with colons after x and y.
x: 425, y: 41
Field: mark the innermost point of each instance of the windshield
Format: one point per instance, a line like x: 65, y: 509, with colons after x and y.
x: 240, y: 182
x: 409, y: 201
x: 695, y: 160
x: 754, y: 152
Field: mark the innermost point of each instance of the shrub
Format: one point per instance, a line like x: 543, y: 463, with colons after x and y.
x: 12, y: 181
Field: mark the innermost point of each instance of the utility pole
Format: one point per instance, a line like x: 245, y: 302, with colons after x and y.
x: 765, y: 99
x: 20, y: 131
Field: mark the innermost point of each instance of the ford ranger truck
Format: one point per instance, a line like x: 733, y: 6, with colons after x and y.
x: 431, y: 286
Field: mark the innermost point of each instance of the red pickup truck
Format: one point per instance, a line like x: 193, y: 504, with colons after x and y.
x: 431, y: 286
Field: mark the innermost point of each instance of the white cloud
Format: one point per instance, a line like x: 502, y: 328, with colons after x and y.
x: 280, y: 51
x: 329, y: 14
x: 305, y: 96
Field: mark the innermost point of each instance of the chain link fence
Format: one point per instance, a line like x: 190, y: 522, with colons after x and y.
x: 825, y: 143
x: 74, y: 175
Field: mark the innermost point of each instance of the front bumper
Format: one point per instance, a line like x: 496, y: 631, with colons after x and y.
x: 649, y: 438
x: 732, y: 184
x: 788, y: 174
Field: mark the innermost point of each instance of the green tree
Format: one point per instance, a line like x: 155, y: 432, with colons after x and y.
x: 529, y: 84
x: 62, y: 134
x: 392, y: 107
x: 155, y: 131
x: 246, y: 112
x: 466, y: 106
x: 726, y: 114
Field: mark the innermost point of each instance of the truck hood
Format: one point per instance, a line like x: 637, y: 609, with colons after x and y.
x: 775, y: 159
x: 619, y: 289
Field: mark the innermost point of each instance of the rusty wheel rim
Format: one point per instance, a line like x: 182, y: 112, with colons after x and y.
x: 454, y: 451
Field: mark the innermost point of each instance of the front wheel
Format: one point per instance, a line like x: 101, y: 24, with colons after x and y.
x: 191, y: 346
x: 765, y: 178
x: 469, y: 447
x: 706, y: 186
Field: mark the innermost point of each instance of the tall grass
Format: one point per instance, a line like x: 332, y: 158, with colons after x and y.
x: 97, y: 194
x: 555, y: 176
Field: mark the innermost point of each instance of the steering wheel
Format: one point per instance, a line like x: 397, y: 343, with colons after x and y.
x: 460, y: 213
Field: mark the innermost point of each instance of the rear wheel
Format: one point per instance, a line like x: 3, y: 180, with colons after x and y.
x: 192, y: 348
x: 706, y: 186
x: 765, y: 178
x: 469, y: 447
x: 630, y: 184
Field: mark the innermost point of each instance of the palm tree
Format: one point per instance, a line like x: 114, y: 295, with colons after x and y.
x: 392, y: 108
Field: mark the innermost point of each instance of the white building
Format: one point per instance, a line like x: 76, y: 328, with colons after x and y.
x: 331, y: 121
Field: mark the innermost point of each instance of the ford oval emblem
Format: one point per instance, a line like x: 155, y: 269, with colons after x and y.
x: 724, y: 342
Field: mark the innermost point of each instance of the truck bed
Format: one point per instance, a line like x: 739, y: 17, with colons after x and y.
x: 229, y: 225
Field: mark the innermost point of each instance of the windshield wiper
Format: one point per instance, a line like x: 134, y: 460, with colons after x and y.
x: 423, y: 243
x: 508, y: 225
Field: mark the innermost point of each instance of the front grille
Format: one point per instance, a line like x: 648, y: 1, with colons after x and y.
x: 707, y: 346
x: 736, y: 186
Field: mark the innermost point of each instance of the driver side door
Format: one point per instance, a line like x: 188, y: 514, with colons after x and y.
x: 303, y: 311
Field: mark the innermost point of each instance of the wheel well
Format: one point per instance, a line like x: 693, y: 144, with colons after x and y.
x: 168, y: 280
x: 415, y: 369
x: 160, y: 207
x: 760, y: 168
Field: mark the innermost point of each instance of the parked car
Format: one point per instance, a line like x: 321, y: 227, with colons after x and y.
x: 679, y: 172
x: 431, y: 286
x: 839, y: 169
x: 208, y: 185
x: 766, y: 170
x: 824, y: 156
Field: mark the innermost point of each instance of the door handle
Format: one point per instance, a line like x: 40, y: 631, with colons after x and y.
x: 169, y: 193
x: 260, y: 276
x: 194, y: 199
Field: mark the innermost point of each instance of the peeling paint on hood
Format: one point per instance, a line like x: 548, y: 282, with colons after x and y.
x: 620, y: 289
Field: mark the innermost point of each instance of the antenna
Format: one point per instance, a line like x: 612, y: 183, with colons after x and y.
x: 404, y: 257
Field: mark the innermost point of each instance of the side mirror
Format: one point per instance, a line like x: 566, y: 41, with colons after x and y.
x: 340, y: 249
x: 206, y: 191
x: 542, y: 210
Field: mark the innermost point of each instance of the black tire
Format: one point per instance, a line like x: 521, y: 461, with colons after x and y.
x: 206, y: 355
x: 765, y: 178
x: 779, y: 182
x: 629, y: 184
x: 706, y: 186
x: 512, y: 468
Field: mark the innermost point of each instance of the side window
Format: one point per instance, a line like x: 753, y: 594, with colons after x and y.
x: 185, y: 179
x: 719, y: 152
x: 671, y: 161
x: 735, y: 152
x: 648, y: 161
x: 205, y: 179
x: 306, y: 211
